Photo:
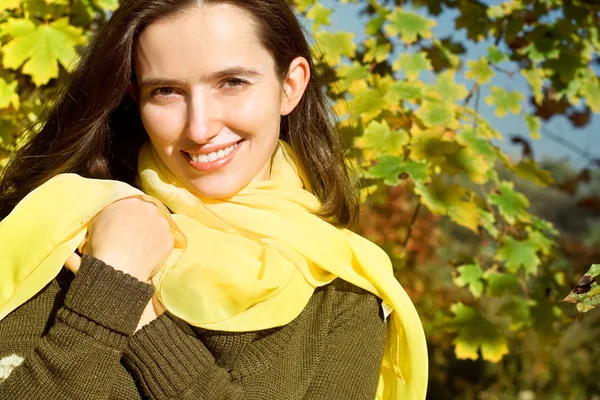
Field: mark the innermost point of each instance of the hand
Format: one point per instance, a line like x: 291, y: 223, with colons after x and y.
x: 130, y: 235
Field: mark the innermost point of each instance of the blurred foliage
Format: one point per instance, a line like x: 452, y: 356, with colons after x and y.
x: 484, y: 244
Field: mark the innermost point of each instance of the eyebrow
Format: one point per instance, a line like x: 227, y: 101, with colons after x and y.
x: 226, y: 73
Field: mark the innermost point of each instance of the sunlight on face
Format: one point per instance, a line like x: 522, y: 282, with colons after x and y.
x: 209, y: 98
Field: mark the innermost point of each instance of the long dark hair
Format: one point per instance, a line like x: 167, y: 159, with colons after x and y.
x: 94, y: 129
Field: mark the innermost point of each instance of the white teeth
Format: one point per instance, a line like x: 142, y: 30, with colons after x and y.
x: 215, y: 155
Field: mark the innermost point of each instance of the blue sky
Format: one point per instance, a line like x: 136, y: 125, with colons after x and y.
x: 346, y: 17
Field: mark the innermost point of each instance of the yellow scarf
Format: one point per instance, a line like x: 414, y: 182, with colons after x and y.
x: 245, y: 263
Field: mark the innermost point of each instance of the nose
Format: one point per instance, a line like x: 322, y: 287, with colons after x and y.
x: 204, y: 119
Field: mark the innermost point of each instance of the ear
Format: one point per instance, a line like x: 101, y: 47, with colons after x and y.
x: 132, y: 90
x: 294, y: 84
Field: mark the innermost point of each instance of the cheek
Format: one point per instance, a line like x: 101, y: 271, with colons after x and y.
x: 163, y: 124
x: 258, y: 114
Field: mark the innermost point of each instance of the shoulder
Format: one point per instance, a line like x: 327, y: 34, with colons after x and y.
x: 348, y: 301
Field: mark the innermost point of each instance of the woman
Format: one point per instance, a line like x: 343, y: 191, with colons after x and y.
x: 268, y: 297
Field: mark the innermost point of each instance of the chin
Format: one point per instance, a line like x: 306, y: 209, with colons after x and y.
x: 216, y: 190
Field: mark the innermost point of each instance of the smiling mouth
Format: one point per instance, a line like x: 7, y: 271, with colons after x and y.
x: 207, y: 162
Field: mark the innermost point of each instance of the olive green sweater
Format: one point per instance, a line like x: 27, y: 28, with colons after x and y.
x: 75, y: 340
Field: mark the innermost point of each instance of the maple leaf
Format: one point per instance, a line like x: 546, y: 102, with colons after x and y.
x: 8, y: 94
x: 389, y: 169
x: 479, y: 71
x: 447, y: 88
x: 476, y: 333
x: 591, y: 91
x: 518, y: 253
x: 470, y: 275
x: 375, y: 23
x: 319, y: 14
x: 500, y: 283
x: 366, y: 104
x: 504, y: 101
x: 430, y: 145
x: 378, y: 138
x: 434, y: 113
x: 333, y: 46
x: 519, y: 311
x: 529, y: 169
x: 438, y: 196
x: 412, y: 64
x: 409, y: 25
x: 376, y: 52
x: 535, y: 78
x: 587, y: 292
x: 465, y: 213
x: 40, y: 48
x: 303, y: 5
x: 495, y: 55
x: 469, y: 162
x: 534, y: 124
x: 404, y: 90
x: 511, y: 204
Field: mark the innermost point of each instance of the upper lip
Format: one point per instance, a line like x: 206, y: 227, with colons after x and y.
x: 207, y: 149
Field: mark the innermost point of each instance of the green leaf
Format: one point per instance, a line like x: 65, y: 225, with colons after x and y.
x: 409, y: 25
x: 436, y: 113
x: 591, y: 91
x: 378, y: 138
x: 108, y: 5
x: 376, y: 52
x: 534, y: 124
x: 303, y: 5
x: 519, y: 311
x: 469, y: 138
x: 476, y: 333
x: 430, y: 145
x: 518, y: 254
x: 529, y: 169
x: 403, y: 90
x: 542, y: 243
x: 389, y: 169
x: 465, y: 213
x: 8, y: 94
x: 439, y: 197
x: 470, y: 275
x: 375, y: 23
x: 366, y: 104
x: 41, y: 48
x: 412, y: 64
x: 333, y: 46
x: 495, y: 55
x: 319, y: 14
x: 479, y: 71
x: 488, y: 221
x: 587, y: 292
x: 500, y: 283
x: 535, y: 78
x: 504, y: 101
x: 511, y: 204
x: 447, y: 88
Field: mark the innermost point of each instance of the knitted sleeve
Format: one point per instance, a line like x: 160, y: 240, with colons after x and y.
x: 350, y: 365
x: 172, y: 364
x: 78, y: 354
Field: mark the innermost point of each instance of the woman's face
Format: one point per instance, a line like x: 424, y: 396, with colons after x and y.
x: 210, y: 99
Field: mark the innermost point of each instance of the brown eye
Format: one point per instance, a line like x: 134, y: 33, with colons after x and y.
x: 163, y: 91
x: 234, y: 83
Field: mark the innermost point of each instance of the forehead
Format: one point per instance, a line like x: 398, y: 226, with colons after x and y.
x: 205, y: 38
